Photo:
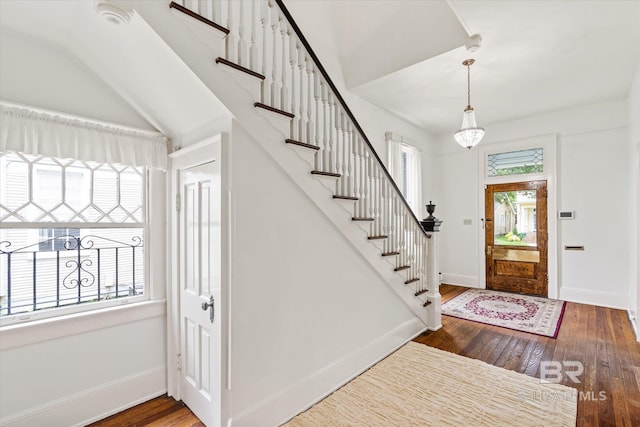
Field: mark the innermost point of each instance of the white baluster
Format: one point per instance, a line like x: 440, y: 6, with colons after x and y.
x: 388, y: 229
x: 331, y: 122
x: 253, y: 48
x: 293, y: 56
x: 284, y: 88
x: 350, y: 136
x: 325, y: 128
x: 310, y: 125
x: 316, y: 96
x: 275, y: 90
x: 356, y: 175
x: 242, y: 43
x: 232, y: 42
x: 379, y: 198
x: 216, y: 11
x: 343, y: 140
x: 205, y: 9
x: 264, y: 21
x: 301, y: 106
x: 364, y: 180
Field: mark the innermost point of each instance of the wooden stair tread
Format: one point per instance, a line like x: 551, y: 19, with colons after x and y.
x: 345, y: 197
x: 402, y: 267
x: 273, y: 109
x: 426, y: 303
x: 301, y: 144
x: 359, y: 218
x: 390, y: 253
x: 415, y: 279
x: 194, y: 15
x: 335, y: 175
x: 377, y: 237
x: 424, y: 291
x: 223, y: 61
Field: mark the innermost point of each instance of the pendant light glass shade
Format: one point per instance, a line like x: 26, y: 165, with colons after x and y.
x: 469, y: 134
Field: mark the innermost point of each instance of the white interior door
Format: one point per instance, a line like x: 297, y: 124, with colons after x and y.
x: 200, y: 284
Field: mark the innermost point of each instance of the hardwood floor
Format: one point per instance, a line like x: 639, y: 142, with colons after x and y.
x: 162, y: 411
x: 601, y: 338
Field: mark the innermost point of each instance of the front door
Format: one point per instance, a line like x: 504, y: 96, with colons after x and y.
x: 516, y: 237
x: 200, y: 287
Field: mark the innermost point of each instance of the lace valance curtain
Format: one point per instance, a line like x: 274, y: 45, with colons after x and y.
x: 34, y: 132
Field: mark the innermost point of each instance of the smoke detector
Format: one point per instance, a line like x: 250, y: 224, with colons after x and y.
x: 112, y: 13
x: 474, y: 43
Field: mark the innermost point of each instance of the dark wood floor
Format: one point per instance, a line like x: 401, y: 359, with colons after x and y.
x: 162, y: 411
x: 601, y: 338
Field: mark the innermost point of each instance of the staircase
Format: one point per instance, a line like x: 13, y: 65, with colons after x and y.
x: 276, y: 73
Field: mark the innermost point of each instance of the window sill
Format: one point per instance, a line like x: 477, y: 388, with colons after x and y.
x: 77, y: 323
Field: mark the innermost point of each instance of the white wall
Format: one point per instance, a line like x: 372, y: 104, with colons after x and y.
x: 63, y: 372
x: 305, y: 304
x: 592, y: 178
x: 81, y: 377
x: 634, y: 197
x: 39, y: 74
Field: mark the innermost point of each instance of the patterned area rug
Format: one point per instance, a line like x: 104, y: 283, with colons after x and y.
x: 423, y: 386
x: 535, y: 315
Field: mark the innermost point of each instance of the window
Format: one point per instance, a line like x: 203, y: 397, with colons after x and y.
x: 515, y: 162
x: 71, y: 232
x: 57, y: 239
x: 405, y: 162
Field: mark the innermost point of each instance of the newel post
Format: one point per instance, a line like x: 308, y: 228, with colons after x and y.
x: 431, y: 226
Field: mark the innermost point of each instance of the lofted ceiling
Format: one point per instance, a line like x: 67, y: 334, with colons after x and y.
x: 132, y: 60
x: 536, y: 56
x: 404, y: 56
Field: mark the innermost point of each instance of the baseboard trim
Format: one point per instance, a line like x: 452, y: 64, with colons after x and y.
x: 632, y: 320
x: 461, y: 280
x: 315, y: 387
x: 96, y: 403
x: 599, y: 298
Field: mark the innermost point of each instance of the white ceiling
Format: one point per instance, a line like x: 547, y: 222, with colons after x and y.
x: 131, y: 59
x: 402, y: 55
x: 536, y: 56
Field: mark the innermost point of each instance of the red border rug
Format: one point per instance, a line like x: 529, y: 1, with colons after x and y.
x: 535, y: 315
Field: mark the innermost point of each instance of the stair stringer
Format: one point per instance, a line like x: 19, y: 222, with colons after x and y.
x: 239, y: 93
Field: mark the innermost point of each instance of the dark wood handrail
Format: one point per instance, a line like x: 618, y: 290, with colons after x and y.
x: 333, y: 87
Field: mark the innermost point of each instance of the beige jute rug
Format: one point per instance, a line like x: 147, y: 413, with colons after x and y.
x: 423, y: 386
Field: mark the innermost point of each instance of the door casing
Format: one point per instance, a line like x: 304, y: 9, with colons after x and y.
x: 213, y: 148
x: 549, y: 143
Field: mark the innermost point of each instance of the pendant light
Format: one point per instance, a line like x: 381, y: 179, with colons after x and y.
x: 469, y: 134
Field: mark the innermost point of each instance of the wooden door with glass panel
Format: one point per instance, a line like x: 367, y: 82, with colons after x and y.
x: 516, y: 237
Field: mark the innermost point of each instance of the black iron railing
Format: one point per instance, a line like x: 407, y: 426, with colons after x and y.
x: 79, y: 269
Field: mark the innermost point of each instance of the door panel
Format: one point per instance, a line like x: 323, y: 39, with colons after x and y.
x: 200, y: 284
x: 516, y: 237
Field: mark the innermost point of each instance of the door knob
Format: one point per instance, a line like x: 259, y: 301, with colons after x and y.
x: 209, y: 306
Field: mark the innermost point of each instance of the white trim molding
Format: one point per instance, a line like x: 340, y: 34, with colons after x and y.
x: 78, y: 323
x: 80, y: 409
x: 599, y: 298
x: 549, y: 143
x: 294, y: 399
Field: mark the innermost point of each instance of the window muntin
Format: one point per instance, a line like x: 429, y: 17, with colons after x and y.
x: 515, y: 162
x: 71, y: 232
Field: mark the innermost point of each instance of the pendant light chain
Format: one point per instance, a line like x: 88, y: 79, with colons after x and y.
x: 469, y: 86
